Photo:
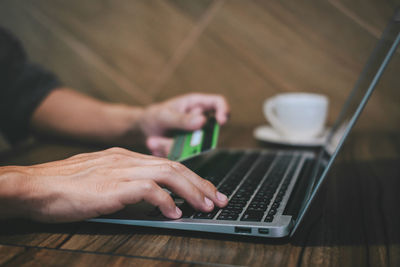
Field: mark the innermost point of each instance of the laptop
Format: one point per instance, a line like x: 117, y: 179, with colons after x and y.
x: 269, y: 191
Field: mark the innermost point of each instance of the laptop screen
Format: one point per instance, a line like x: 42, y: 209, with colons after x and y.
x: 354, y: 105
x: 365, y: 84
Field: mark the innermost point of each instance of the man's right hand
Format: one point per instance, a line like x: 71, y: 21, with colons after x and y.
x: 93, y: 184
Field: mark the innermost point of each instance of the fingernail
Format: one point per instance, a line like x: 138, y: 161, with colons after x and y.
x: 221, y: 197
x: 209, y: 203
x: 178, y: 212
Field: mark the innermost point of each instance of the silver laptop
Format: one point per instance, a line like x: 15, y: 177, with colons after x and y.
x: 269, y: 191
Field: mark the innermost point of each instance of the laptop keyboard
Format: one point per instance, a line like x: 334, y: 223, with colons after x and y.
x: 245, y: 191
x: 251, y: 182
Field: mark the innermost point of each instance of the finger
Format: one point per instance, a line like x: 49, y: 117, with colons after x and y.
x: 174, y: 119
x: 159, y: 146
x: 206, y: 187
x: 210, y: 102
x: 170, y: 176
x: 149, y: 191
x: 196, y: 111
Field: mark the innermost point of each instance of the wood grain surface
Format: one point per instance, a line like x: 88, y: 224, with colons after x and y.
x: 353, y: 222
x: 25, y: 256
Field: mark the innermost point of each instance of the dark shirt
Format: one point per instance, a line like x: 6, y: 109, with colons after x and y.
x: 23, y: 85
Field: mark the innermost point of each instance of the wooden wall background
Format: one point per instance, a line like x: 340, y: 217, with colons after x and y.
x: 139, y: 52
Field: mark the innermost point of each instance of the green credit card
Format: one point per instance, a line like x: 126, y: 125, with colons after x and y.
x: 189, y: 144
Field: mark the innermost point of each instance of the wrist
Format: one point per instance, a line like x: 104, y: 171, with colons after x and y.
x: 123, y: 122
x: 13, y: 189
x: 145, y: 120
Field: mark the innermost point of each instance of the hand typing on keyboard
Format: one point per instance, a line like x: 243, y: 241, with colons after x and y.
x: 103, y: 188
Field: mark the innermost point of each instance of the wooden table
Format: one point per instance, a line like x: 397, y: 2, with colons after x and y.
x: 354, y: 222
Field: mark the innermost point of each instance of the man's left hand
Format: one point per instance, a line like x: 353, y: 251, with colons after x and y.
x: 185, y: 113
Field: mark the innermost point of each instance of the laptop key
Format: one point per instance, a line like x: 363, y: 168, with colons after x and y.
x: 216, y: 172
x: 259, y: 206
x: 228, y: 217
x: 204, y: 215
x: 232, y: 211
x: 187, y: 210
x: 255, y: 176
x: 254, y: 216
x: 272, y: 212
x: 234, y: 207
x: 238, y: 202
x: 275, y: 205
x: 256, y: 209
x: 269, y: 218
x: 237, y: 174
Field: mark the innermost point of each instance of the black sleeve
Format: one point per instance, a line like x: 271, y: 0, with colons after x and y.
x: 23, y: 86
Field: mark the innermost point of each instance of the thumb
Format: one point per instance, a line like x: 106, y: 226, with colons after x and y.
x: 159, y: 146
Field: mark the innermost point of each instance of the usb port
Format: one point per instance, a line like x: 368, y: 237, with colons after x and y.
x: 242, y: 230
x: 263, y: 231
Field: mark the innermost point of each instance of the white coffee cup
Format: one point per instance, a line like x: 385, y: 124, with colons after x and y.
x: 297, y: 116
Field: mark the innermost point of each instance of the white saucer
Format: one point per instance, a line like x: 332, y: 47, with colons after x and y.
x: 268, y: 134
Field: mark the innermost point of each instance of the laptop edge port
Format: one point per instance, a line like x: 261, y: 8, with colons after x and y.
x: 242, y: 230
x: 263, y: 231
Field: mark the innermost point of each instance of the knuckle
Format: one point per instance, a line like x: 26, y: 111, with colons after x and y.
x: 197, y: 94
x: 148, y: 186
x: 115, y: 157
x: 221, y: 99
x: 193, y: 95
x: 167, y: 169
x: 113, y: 150
x: 216, y: 96
x: 177, y: 166
x: 165, y: 198
x: 81, y: 155
x: 207, y: 184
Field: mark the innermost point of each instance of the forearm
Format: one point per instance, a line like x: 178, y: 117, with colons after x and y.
x: 71, y: 114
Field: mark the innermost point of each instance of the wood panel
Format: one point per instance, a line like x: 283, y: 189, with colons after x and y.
x: 115, y: 49
x: 251, y: 51
x: 140, y: 51
x: 369, y: 14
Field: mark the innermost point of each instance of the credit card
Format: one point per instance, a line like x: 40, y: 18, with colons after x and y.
x: 189, y: 144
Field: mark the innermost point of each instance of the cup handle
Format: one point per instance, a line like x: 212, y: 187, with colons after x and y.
x: 270, y: 112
